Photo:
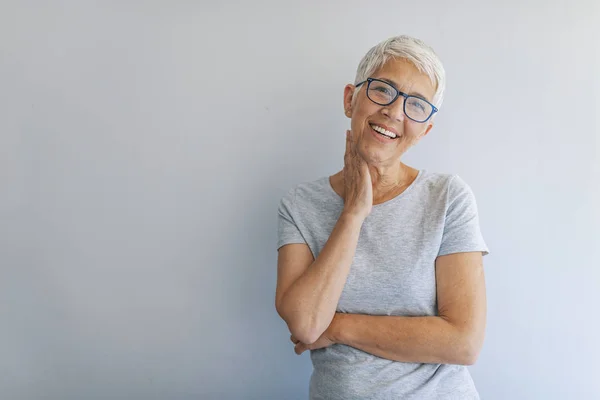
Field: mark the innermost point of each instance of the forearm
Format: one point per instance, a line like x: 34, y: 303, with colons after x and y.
x: 309, y: 305
x: 407, y: 339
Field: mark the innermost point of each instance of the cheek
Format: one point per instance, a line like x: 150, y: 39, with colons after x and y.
x: 412, y: 130
x: 362, y: 110
x: 359, y: 120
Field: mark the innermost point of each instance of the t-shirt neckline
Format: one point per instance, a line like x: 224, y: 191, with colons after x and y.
x: 421, y: 172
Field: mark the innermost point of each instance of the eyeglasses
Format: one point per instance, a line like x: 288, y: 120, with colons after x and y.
x: 384, y: 94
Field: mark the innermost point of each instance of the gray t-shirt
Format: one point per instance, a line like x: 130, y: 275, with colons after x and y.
x: 392, y: 273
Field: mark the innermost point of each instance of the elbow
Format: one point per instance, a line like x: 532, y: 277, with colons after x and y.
x: 466, y: 344
x: 469, y: 349
x: 469, y: 357
x: 304, y: 334
x: 302, y: 327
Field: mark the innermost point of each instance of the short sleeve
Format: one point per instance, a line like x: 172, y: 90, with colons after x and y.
x: 287, y: 228
x: 461, y: 227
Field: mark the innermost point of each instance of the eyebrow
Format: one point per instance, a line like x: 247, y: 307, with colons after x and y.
x: 395, y: 85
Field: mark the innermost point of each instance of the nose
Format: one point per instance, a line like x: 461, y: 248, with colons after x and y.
x: 395, y: 110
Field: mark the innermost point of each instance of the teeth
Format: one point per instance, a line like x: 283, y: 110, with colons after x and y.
x: 383, y: 131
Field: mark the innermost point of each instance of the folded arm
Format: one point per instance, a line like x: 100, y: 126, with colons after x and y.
x: 308, y: 290
x: 454, y: 336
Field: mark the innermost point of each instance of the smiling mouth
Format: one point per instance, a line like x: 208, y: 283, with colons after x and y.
x: 383, y: 131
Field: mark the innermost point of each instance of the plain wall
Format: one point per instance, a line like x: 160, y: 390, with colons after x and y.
x: 145, y: 145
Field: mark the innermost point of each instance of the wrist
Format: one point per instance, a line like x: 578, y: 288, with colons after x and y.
x: 336, y: 328
x: 352, y: 218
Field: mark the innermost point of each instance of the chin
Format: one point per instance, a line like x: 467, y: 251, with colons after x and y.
x: 372, y: 156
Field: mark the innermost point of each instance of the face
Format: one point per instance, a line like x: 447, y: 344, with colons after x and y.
x: 366, y: 116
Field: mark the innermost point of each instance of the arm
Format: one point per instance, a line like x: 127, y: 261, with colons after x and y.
x: 308, y: 291
x: 455, y: 336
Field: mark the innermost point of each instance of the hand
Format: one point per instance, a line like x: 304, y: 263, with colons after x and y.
x: 358, y: 195
x: 324, y: 341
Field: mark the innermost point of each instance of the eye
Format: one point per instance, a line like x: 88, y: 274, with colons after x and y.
x: 384, y: 89
x: 417, y: 104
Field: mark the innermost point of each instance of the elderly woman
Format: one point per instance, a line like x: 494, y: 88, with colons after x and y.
x: 380, y: 269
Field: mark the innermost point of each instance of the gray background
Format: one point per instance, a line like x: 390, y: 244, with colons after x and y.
x: 145, y: 146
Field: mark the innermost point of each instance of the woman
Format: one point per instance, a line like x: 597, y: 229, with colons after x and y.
x: 380, y: 269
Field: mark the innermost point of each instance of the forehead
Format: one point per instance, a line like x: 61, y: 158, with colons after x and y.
x: 407, y: 77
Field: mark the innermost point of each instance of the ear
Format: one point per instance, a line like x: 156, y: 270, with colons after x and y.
x: 426, y: 131
x: 348, y: 92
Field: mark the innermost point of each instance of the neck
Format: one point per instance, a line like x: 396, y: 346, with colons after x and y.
x: 387, y: 182
x: 391, y: 181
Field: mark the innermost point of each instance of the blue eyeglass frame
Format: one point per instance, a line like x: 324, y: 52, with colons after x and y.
x: 434, y: 109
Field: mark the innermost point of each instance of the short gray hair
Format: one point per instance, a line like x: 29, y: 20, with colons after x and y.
x: 411, y: 49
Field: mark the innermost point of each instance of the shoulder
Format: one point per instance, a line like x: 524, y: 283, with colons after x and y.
x: 443, y: 191
x: 434, y: 184
x: 450, y: 184
x: 308, y: 192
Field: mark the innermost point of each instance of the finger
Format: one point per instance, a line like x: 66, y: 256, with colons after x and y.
x: 348, y: 147
x: 293, y: 339
x: 299, y: 348
x: 348, y: 154
x: 353, y: 145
